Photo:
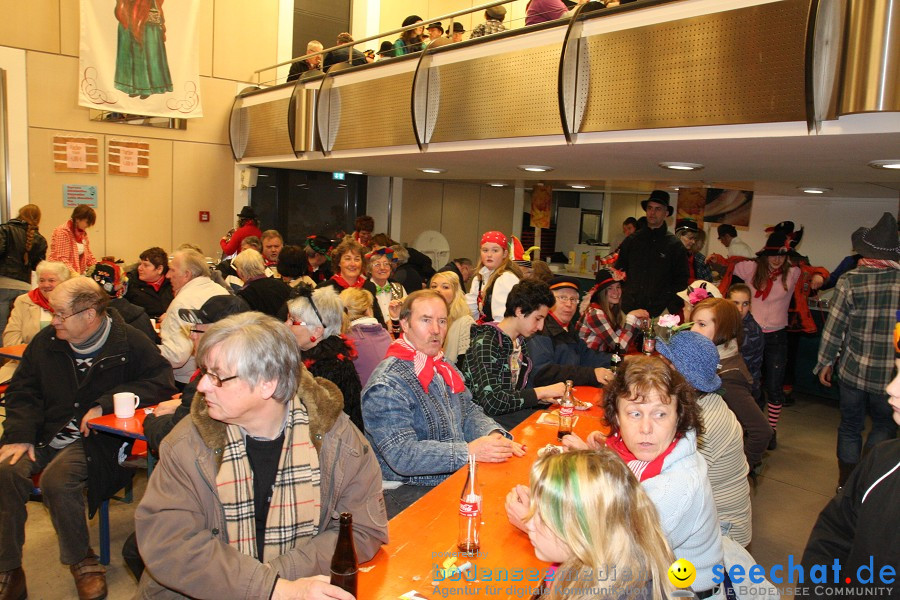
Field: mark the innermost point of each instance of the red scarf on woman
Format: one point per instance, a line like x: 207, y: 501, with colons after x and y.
x: 345, y: 284
x: 426, y: 366
x: 78, y: 233
x: 773, y: 275
x: 642, y: 469
x: 38, y: 298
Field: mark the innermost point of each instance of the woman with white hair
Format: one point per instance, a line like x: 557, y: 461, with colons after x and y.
x: 317, y: 320
x: 264, y: 294
x: 31, y: 312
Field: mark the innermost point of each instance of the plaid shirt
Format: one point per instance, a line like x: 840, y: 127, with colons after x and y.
x: 489, y: 375
x: 859, y: 328
x: 599, y: 334
x: 64, y: 249
x: 487, y: 28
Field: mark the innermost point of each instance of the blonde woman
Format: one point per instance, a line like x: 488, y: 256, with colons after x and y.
x: 623, y: 530
x: 369, y: 336
x: 446, y: 283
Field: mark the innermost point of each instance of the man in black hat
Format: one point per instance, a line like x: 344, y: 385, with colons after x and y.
x: 458, y: 31
x: 247, y: 225
x: 655, y: 261
x: 859, y: 328
x: 435, y: 30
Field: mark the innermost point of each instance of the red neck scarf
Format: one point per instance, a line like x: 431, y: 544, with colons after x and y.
x: 692, y: 275
x: 156, y: 285
x: 345, y: 284
x: 78, y: 233
x: 38, y: 298
x: 773, y: 275
x: 565, y: 326
x: 644, y: 470
x: 426, y: 366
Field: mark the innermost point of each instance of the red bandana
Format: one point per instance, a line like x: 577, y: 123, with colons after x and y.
x: 344, y: 284
x: 426, y: 366
x: 644, y: 470
x: 156, y: 285
x: 773, y: 275
x: 38, y: 298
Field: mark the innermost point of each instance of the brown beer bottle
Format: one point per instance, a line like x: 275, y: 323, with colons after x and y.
x: 344, y: 565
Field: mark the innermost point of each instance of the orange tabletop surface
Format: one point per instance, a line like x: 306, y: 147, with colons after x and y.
x: 133, y: 427
x: 423, y: 535
x: 13, y: 351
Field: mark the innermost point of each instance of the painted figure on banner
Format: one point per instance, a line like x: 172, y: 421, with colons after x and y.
x: 142, y: 67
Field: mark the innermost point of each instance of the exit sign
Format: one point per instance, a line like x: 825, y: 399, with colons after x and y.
x: 338, y: 176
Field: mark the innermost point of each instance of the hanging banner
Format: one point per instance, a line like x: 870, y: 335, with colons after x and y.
x: 140, y: 57
x: 541, y: 205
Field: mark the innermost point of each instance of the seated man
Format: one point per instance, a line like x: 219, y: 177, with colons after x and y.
x: 244, y: 499
x: 558, y: 353
x: 419, y: 415
x: 67, y: 376
x: 497, y: 366
x: 189, y: 275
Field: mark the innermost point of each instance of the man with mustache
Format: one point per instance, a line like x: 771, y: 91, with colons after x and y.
x: 419, y: 415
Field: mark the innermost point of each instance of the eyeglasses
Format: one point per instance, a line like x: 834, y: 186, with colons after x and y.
x: 215, y: 379
x: 63, y: 318
x: 566, y: 299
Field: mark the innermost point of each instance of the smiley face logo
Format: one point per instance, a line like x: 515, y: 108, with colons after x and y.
x: 682, y: 573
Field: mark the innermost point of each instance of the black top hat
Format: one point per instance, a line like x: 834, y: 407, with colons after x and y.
x: 213, y: 310
x: 726, y: 229
x: 436, y: 25
x: 458, y: 27
x: 247, y: 213
x: 879, y: 242
x: 660, y: 197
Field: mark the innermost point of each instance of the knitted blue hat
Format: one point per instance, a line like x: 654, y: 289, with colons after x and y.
x: 695, y: 357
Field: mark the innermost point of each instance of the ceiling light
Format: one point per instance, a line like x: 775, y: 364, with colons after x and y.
x: 578, y: 186
x: 357, y: 172
x: 675, y: 187
x: 535, y: 168
x: 885, y: 164
x: 681, y: 166
x: 814, y: 190
x: 497, y: 184
x: 433, y: 170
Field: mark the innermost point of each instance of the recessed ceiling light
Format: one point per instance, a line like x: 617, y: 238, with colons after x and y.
x: 497, y: 184
x: 357, y: 172
x: 814, y: 190
x: 578, y: 186
x: 681, y: 166
x: 433, y: 170
x: 885, y: 164
x: 535, y: 168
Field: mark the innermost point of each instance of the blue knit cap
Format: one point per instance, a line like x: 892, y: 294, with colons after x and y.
x: 695, y: 357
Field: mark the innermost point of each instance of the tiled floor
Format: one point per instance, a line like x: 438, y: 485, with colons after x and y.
x: 797, y: 480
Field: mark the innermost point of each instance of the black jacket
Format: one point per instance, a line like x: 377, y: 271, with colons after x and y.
x: 45, y: 394
x: 135, y: 316
x: 156, y: 428
x: 861, y: 522
x: 142, y: 294
x: 657, y: 268
x: 559, y: 355
x: 266, y: 294
x: 12, y: 250
x: 452, y: 268
x: 343, y: 55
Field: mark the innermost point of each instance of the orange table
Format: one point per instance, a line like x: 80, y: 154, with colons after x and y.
x: 132, y: 428
x: 14, y: 352
x: 422, y: 534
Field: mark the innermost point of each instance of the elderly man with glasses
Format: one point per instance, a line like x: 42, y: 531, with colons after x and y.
x: 68, y: 375
x: 557, y: 352
x: 245, y: 497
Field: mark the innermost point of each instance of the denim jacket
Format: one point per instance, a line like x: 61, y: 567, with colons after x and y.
x: 419, y: 438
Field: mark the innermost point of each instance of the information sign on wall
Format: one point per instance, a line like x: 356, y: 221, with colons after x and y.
x: 73, y: 195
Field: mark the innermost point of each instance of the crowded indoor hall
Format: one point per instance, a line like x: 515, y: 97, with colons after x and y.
x: 518, y: 298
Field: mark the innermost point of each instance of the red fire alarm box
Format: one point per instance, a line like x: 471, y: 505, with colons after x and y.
x: 204, y: 216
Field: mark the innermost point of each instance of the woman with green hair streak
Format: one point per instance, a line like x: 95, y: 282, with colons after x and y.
x: 590, y: 515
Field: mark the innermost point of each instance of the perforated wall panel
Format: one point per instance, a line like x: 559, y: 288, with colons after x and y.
x: 375, y: 113
x: 500, y: 96
x: 740, y: 66
x: 268, y: 129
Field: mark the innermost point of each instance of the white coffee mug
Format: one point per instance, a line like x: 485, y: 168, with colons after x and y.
x: 124, y: 404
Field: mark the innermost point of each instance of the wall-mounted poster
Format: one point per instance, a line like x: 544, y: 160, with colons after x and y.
x: 140, y: 57
x: 729, y: 206
x: 75, y: 154
x: 691, y: 204
x: 541, y: 204
x: 126, y: 157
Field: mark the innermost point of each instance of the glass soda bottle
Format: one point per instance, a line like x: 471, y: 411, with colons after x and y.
x: 344, y: 564
x: 468, y: 542
x: 648, y: 346
x: 615, y: 361
x: 566, y: 412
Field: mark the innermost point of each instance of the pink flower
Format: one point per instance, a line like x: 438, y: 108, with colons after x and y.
x: 669, y: 320
x: 697, y: 295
